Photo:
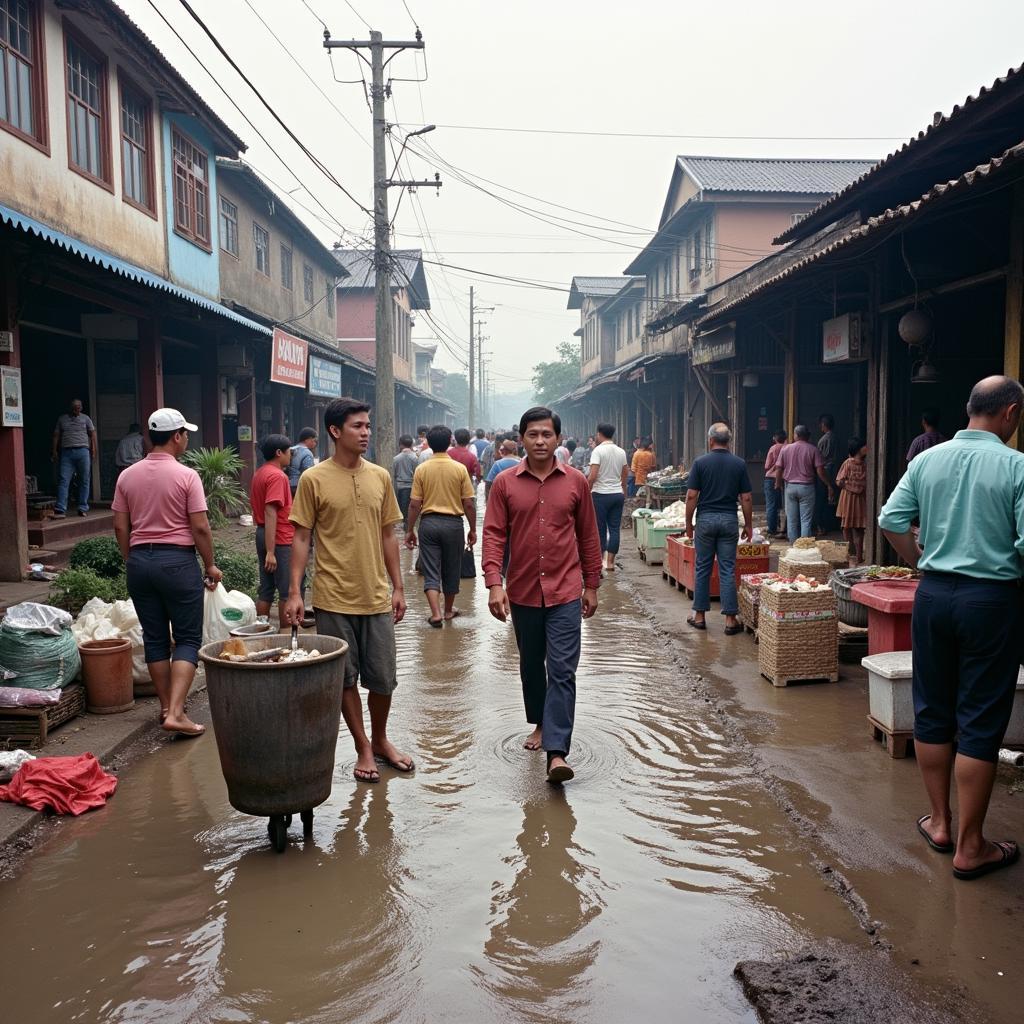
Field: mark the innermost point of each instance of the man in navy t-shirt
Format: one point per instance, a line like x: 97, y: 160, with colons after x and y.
x: 715, y: 483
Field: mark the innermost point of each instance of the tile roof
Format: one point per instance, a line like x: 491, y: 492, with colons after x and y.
x: 594, y: 288
x: 407, y: 272
x: 772, y: 174
x: 893, y: 218
x: 974, y: 105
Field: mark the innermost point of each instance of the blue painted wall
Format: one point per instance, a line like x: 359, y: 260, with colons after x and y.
x: 189, y: 265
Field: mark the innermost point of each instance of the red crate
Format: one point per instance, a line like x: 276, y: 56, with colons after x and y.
x: 750, y: 558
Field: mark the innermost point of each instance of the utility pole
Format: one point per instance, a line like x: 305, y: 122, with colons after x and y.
x: 472, y: 409
x: 384, y: 373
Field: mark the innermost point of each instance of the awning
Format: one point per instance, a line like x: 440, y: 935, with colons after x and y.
x: 119, y: 266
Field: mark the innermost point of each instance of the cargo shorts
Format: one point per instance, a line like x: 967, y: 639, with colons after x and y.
x: 371, y: 657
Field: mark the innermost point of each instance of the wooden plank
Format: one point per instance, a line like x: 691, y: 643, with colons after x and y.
x: 1014, y: 317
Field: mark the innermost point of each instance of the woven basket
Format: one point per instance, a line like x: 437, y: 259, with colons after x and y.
x: 748, y: 606
x: 812, y: 570
x: 820, y: 600
x: 798, y: 648
x: 836, y: 553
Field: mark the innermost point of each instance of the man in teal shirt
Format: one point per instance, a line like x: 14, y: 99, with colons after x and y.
x: 969, y: 496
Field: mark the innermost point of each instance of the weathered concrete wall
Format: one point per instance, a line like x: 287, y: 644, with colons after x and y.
x: 356, y: 314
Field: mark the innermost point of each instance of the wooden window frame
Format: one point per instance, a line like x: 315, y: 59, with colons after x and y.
x: 289, y: 285
x: 308, y: 274
x: 188, y: 232
x: 126, y: 85
x: 257, y: 226
x: 331, y: 291
x: 106, y: 157
x: 40, y: 109
x: 222, y: 234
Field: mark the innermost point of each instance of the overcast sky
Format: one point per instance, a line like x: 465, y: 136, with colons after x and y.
x: 754, y: 79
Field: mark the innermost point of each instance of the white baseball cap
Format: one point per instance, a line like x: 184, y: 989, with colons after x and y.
x: 169, y: 419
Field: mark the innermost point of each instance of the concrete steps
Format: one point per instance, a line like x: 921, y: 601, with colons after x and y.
x: 55, y: 534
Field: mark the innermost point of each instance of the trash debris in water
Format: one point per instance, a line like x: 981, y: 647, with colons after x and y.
x: 235, y: 650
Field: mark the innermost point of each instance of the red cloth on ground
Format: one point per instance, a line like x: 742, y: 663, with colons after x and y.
x: 70, y: 785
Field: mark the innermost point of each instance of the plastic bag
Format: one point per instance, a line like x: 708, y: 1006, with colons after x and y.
x: 19, y: 697
x: 43, y: 661
x: 225, y: 610
x: 12, y: 760
x: 41, y: 618
x: 99, y: 620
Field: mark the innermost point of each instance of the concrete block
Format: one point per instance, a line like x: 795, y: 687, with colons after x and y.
x: 890, y: 698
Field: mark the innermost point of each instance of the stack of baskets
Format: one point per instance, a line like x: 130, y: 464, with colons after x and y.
x: 798, y: 634
x: 804, y: 559
x: 836, y: 553
x: 750, y: 596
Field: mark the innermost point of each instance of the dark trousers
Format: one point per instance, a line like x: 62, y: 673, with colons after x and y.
x: 966, y: 643
x: 404, y: 495
x: 608, y: 508
x: 549, y: 653
x: 442, y: 541
x: 166, y: 587
x: 280, y: 579
x: 771, y: 504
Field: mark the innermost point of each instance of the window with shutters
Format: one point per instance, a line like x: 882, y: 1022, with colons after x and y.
x: 286, y: 267
x: 136, y: 148
x: 88, y: 124
x: 331, y: 285
x: 307, y: 283
x: 229, y: 227
x: 261, y: 244
x: 22, y: 110
x: 191, y: 189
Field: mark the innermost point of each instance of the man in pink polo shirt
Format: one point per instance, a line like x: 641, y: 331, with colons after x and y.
x: 795, y: 469
x: 160, y: 522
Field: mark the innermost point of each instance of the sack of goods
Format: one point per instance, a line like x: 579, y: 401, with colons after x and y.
x: 37, y: 645
x: 804, y: 558
x: 225, y: 610
x: 798, y: 631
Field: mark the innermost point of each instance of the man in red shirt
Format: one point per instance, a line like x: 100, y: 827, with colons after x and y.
x: 545, y: 511
x: 461, y: 452
x: 271, y: 499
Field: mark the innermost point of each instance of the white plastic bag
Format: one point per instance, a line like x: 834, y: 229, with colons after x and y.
x: 225, y: 610
x: 99, y: 620
x: 39, y: 618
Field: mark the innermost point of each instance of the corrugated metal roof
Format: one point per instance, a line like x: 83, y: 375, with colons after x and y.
x: 890, y: 218
x: 595, y: 288
x: 122, y: 267
x: 407, y: 272
x: 772, y: 174
x: 939, y: 124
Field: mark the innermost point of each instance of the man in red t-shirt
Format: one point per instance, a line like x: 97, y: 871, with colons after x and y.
x: 271, y: 499
x: 461, y: 452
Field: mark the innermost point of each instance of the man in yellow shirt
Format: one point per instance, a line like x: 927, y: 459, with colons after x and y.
x: 352, y: 506
x: 442, y: 493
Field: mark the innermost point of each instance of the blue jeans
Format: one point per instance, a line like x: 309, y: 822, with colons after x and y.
x: 716, y: 535
x: 609, y: 520
x: 771, y: 504
x: 799, y: 510
x: 631, y: 487
x: 166, y: 586
x: 548, y: 639
x: 74, y: 460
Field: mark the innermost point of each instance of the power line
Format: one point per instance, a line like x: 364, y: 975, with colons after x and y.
x: 358, y: 15
x: 317, y: 162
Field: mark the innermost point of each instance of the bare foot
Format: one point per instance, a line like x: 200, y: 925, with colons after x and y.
x: 453, y: 614
x: 558, y: 769
x: 182, y: 725
x: 392, y: 756
x: 993, y: 853
x: 366, y: 768
x: 532, y: 741
x: 940, y: 834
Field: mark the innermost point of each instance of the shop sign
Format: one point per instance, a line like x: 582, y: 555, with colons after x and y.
x: 324, y: 377
x: 244, y: 432
x: 10, y: 385
x: 288, y: 359
x: 6, y: 341
x: 841, y: 339
x: 715, y: 345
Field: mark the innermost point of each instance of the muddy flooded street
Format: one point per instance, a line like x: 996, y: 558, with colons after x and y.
x: 470, y: 891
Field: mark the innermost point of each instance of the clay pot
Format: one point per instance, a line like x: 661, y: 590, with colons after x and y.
x: 107, y: 674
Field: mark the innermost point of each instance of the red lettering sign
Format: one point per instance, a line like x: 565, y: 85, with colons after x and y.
x: 288, y: 359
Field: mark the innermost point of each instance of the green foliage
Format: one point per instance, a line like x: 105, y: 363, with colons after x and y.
x: 100, y: 554
x: 553, y: 379
x: 218, y: 468
x: 73, y: 587
x: 456, y: 391
x: 241, y: 571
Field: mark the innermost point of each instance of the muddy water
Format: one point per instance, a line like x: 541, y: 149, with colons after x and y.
x: 471, y: 891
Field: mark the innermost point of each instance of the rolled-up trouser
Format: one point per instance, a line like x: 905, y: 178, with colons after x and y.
x: 966, y: 644
x: 549, y: 653
x: 715, y: 535
x: 280, y: 578
x: 442, y: 541
x: 799, y: 510
x: 166, y: 586
x: 608, y: 508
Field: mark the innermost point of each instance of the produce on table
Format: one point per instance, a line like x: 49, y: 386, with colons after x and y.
x: 891, y: 572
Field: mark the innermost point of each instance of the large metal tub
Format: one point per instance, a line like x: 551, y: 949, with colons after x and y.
x: 277, y: 727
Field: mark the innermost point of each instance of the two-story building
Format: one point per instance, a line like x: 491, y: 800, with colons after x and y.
x: 109, y: 265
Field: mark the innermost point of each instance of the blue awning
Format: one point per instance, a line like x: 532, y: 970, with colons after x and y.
x: 119, y: 266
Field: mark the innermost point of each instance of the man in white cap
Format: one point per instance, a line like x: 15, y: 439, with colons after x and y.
x: 160, y: 522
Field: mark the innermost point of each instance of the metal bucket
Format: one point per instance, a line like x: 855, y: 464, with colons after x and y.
x: 277, y: 725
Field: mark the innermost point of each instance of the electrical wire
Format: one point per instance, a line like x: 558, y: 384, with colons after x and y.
x: 317, y: 162
x: 358, y: 15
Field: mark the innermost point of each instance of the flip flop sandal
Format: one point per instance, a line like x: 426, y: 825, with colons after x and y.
x: 454, y: 615
x: 397, y: 765
x: 559, y: 774
x: 696, y: 624
x: 1010, y: 855
x: 937, y: 847
x: 733, y: 630
x: 435, y: 623
x: 371, y: 777
x: 196, y: 730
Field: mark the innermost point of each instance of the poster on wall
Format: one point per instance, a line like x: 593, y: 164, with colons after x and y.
x: 10, y: 384
x: 244, y: 432
x: 288, y: 359
x: 324, y: 377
